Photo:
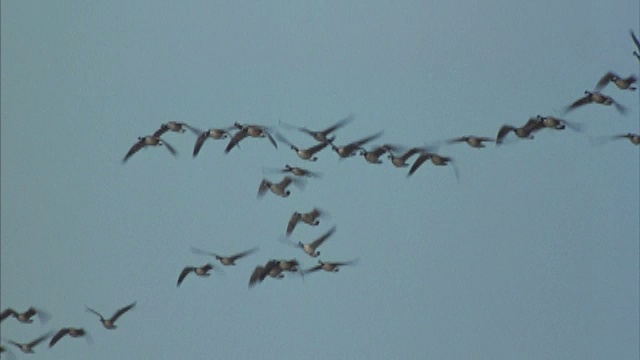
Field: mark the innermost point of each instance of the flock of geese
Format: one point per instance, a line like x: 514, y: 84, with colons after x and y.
x: 399, y: 157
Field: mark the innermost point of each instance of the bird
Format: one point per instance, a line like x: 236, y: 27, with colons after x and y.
x: 557, y: 124
x: 198, y: 270
x: 304, y: 154
x: 280, y: 188
x: 28, y: 347
x: 110, y: 323
x: 323, y: 135
x: 225, y: 260
x: 621, y: 83
x: 149, y: 140
x: 295, y: 170
x: 244, y: 131
x: 595, y: 97
x: 291, y: 265
x: 271, y: 268
x: 436, y: 159
x: 473, y: 141
x: 401, y: 160
x: 310, y: 218
x: 373, y: 156
x: 523, y: 132
x: 71, y: 331
x: 216, y: 134
x: 25, y: 317
x: 311, y: 248
x: 329, y: 266
x: 175, y: 127
x: 633, y: 138
x: 635, y: 40
x: 349, y: 149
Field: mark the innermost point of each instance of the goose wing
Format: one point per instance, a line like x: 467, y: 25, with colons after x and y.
x: 199, y: 142
x: 184, y: 273
x: 171, y: 149
x: 316, y: 243
x: 122, y: 311
x: 293, y: 221
x: 606, y: 79
x: 134, y: 149
x: 59, y: 335
x: 419, y: 161
x: 504, y: 130
x: 243, y: 254
x: 7, y: 312
x: 235, y: 139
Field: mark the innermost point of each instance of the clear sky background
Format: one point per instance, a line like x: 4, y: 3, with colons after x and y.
x: 533, y: 254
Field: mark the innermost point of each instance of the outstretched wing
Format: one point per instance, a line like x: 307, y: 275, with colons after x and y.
x: 323, y: 238
x: 504, y: 130
x: 39, y: 340
x: 606, y: 79
x: 122, y: 311
x: 243, y: 254
x: 635, y: 39
x: 293, y: 221
x: 134, y: 149
x: 169, y: 147
x: 58, y: 336
x: 184, y: 273
x: 582, y: 101
x: 338, y: 125
x: 6, y: 313
x: 95, y: 312
x: 235, y: 139
x: 419, y: 161
x: 264, y: 186
x: 199, y: 142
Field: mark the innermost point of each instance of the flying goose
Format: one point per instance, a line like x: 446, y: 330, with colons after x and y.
x: 225, y: 260
x: 25, y: 317
x: 323, y: 135
x: 436, y: 159
x: 175, y: 127
x: 216, y: 134
x: 244, y: 131
x: 523, y: 132
x: 28, y: 347
x: 333, y: 266
x: 280, y: 188
x: 557, y: 124
x: 349, y: 149
x: 271, y: 268
x: 289, y: 265
x: 298, y: 171
x: 401, y: 160
x: 71, y: 331
x: 595, y: 97
x: 198, y: 270
x: 621, y: 83
x: 635, y: 40
x: 310, y: 248
x: 373, y: 156
x: 304, y: 154
x: 310, y: 218
x: 149, y: 140
x: 473, y: 141
x: 110, y: 323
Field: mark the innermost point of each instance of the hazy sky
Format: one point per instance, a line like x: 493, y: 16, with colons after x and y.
x: 533, y: 254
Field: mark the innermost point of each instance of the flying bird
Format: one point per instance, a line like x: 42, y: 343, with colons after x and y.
x: 25, y: 317
x: 523, y: 132
x: 635, y: 41
x: 256, y: 131
x: 595, y: 97
x: 198, y: 270
x: 150, y: 140
x: 216, y: 134
x: 349, y: 149
x: 401, y: 160
x: 373, y: 156
x: 621, y: 83
x: 110, y: 323
x: 304, y: 154
x: 323, y: 135
x: 280, y: 188
x: 473, y: 141
x: 71, y: 331
x: 175, y: 126
x: 295, y: 170
x: 311, y: 248
x: 310, y: 218
x: 28, y: 347
x: 225, y: 260
x: 329, y: 266
x: 436, y: 159
x: 271, y: 268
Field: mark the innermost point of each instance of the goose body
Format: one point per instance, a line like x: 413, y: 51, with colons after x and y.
x: 145, y: 141
x: 71, y: 331
x: 620, y: 82
x: 280, y: 188
x: 311, y: 248
x: 110, y: 323
x: 473, y: 141
x: 198, y: 270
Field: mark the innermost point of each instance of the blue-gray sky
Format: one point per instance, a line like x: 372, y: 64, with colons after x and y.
x: 533, y: 254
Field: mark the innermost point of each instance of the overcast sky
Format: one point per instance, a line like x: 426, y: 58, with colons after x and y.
x: 534, y: 253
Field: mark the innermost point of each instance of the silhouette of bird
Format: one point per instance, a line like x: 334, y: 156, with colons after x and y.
x: 144, y: 141
x: 110, y: 323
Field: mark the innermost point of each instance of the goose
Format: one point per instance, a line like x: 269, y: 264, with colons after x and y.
x: 635, y: 40
x: 198, y: 270
x: 473, y: 141
x: 216, y: 134
x: 310, y: 218
x: 323, y: 135
x: 373, y: 156
x: 28, y: 347
x: 310, y: 248
x: 289, y: 265
x: 333, y: 266
x: 436, y: 159
x: 557, y: 124
x: 225, y: 260
x: 304, y: 154
x: 595, y: 97
x: 621, y: 83
x: 401, y: 160
x: 110, y: 323
x: 523, y: 132
x: 298, y: 171
x: 175, y: 127
x: 271, y: 268
x: 244, y: 131
x: 634, y: 138
x: 349, y: 149
x: 149, y: 140
x: 71, y: 331
x: 25, y: 317
x: 280, y: 188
